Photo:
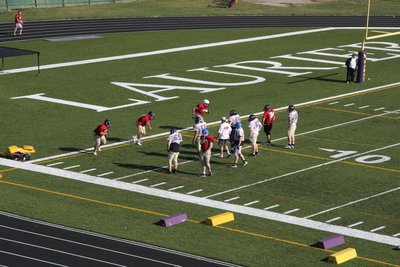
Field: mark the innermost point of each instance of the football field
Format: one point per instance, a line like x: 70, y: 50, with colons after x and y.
x: 342, y: 177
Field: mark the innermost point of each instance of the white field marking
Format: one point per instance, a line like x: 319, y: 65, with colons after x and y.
x: 59, y: 251
x: 290, y: 211
x: 139, y: 181
x: 379, y: 108
x: 155, y: 185
x: 104, y: 174
x: 82, y: 244
x: 333, y: 219
x: 398, y: 234
x: 355, y: 224
x: 367, y: 106
x: 34, y: 259
x: 194, y: 192
x: 366, y: 235
x: 351, y: 104
x: 72, y: 167
x: 378, y: 228
x: 251, y: 203
x: 164, y: 51
x: 218, y: 122
x: 353, y: 202
x: 271, y: 207
x: 176, y: 188
x: 231, y: 199
x: 301, y: 170
x: 333, y: 103
x: 54, y: 164
x: 88, y: 170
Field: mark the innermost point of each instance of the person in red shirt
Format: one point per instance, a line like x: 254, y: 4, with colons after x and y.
x: 205, y: 153
x: 201, y: 109
x: 268, y: 121
x: 141, y: 125
x: 18, y: 23
x: 100, y: 134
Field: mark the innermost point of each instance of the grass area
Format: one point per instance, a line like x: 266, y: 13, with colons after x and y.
x: 157, y: 8
x: 252, y: 241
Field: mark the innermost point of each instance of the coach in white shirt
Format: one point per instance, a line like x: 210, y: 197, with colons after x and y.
x: 292, y: 124
x: 254, y: 128
x: 223, y: 136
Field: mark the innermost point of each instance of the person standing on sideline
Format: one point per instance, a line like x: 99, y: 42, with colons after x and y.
x: 233, y: 119
x: 205, y: 153
x: 141, y: 125
x: 292, y: 123
x: 223, y: 136
x: 99, y: 135
x: 198, y: 128
x: 18, y: 23
x: 351, y: 64
x: 174, y: 142
x: 268, y: 121
x: 237, y: 145
x: 254, y: 127
x: 201, y: 109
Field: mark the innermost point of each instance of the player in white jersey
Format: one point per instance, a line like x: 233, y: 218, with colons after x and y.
x: 174, y: 142
x: 223, y: 136
x: 292, y: 124
x: 198, y: 128
x: 254, y: 128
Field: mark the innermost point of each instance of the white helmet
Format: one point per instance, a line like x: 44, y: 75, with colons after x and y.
x: 223, y: 119
x: 205, y: 101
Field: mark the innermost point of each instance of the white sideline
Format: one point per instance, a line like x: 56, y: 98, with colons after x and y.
x: 390, y: 240
x: 162, y: 51
x: 214, y: 123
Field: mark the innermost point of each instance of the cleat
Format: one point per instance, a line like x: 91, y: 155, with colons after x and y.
x: 257, y: 153
x: 288, y: 147
x: 138, y: 143
x: 134, y: 138
x: 245, y: 163
x: 175, y: 171
x: 203, y: 175
x: 210, y: 174
x: 234, y: 166
x: 95, y: 153
x: 221, y: 156
x: 228, y: 155
x: 169, y: 172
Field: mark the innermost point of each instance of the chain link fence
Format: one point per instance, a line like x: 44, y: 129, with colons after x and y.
x: 18, y: 4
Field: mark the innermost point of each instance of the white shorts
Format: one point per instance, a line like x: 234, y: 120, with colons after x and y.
x: 18, y: 26
x: 100, y: 140
x: 205, y: 157
x: 253, y: 139
x: 142, y: 130
x: 291, y: 130
x: 173, y: 156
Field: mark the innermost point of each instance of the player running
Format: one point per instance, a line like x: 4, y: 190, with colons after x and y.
x: 268, y: 121
x: 18, y: 23
x: 141, y: 125
x: 223, y: 136
x: 99, y: 135
x: 201, y: 109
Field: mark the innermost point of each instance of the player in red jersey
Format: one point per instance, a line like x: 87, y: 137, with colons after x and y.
x: 201, y: 109
x: 18, y: 23
x: 141, y: 125
x: 268, y: 121
x: 205, y: 153
x: 99, y: 135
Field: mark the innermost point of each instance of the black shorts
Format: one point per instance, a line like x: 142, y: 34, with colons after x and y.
x: 222, y: 142
x: 267, y: 129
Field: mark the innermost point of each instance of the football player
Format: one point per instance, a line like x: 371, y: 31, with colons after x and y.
x: 201, y: 109
x: 141, y: 125
x: 99, y: 135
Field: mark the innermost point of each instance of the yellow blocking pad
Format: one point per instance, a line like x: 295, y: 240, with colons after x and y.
x: 1, y: 176
x: 220, y: 219
x: 343, y: 255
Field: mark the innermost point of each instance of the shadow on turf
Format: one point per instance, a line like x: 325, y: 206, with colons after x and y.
x: 320, y: 78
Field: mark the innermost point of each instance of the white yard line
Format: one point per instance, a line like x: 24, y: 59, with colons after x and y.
x: 353, y: 202
x: 333, y: 103
x: 390, y: 240
x: 194, y: 192
x: 301, y: 170
x: 54, y: 164
x: 164, y: 51
x: 366, y: 235
x: 379, y: 108
x: 333, y: 219
x: 176, y: 188
x: 378, y: 228
x: 291, y: 211
x: 231, y: 199
x: 251, y: 203
x: 395, y: 235
x: 347, y: 105
x: 355, y: 224
x: 89, y: 170
x: 217, y: 122
x: 155, y: 185
x: 139, y: 181
x: 271, y: 207
x: 104, y: 174
x: 72, y: 167
x: 367, y: 106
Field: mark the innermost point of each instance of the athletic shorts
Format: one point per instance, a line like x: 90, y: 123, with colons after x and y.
x: 253, y: 139
x: 142, y: 129
x: 100, y: 140
x: 222, y: 142
x: 197, y: 143
x: 267, y: 129
x: 291, y: 130
x: 205, y: 157
x: 18, y: 26
x: 173, y: 156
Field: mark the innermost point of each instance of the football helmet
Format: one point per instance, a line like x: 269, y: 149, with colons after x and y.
x: 204, y: 132
x: 107, y: 122
x: 291, y: 108
x: 233, y: 112
x: 238, y: 124
x: 223, y: 119
x: 267, y: 107
x: 151, y: 113
x: 197, y: 119
x: 173, y: 130
x: 252, y: 117
x: 206, y: 101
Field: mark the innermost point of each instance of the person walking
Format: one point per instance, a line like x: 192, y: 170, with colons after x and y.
x: 254, y: 128
x: 201, y: 109
x: 237, y: 145
x: 99, y: 135
x: 351, y: 64
x: 268, y: 121
x: 224, y: 132
x: 174, y: 142
x: 234, y: 118
x: 141, y: 123
x: 18, y: 23
x: 293, y: 117
x: 205, y: 153
x: 198, y: 128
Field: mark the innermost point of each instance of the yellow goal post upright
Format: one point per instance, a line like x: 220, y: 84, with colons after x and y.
x: 362, y: 55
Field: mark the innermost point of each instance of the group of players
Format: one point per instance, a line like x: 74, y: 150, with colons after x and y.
x: 230, y: 132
